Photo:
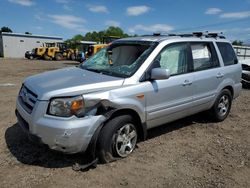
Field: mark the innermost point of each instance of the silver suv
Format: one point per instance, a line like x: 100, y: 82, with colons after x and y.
x: 110, y: 101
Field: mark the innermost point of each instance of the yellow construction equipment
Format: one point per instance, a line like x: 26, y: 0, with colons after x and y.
x: 60, y: 51
x: 39, y: 52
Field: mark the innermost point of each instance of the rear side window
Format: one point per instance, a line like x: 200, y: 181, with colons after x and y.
x: 204, y: 56
x: 227, y: 53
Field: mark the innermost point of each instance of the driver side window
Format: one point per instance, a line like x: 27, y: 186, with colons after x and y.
x: 174, y: 58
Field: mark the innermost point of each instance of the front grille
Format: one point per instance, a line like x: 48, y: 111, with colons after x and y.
x: 27, y: 98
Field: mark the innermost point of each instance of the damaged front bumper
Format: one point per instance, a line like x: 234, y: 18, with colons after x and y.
x: 69, y: 135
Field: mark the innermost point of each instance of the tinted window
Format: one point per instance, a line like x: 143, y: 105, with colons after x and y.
x: 204, y: 56
x: 227, y: 53
x: 174, y: 58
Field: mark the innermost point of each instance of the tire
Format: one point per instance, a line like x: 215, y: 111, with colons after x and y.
x: 222, y: 106
x: 73, y: 57
x: 58, y: 57
x: 46, y: 57
x: 117, y: 139
x: 245, y: 85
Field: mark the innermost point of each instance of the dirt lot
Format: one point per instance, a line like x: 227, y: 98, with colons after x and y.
x: 191, y: 152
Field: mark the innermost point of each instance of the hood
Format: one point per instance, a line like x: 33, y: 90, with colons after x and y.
x: 70, y: 82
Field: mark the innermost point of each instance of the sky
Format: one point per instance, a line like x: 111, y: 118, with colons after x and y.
x: 66, y: 18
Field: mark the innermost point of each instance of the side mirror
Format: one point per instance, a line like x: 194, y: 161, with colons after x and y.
x: 159, y: 74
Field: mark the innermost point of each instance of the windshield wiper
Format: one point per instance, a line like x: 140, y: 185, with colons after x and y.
x: 106, y: 72
x: 101, y: 71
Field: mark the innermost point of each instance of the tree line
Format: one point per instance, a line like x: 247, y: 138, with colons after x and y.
x: 98, y: 36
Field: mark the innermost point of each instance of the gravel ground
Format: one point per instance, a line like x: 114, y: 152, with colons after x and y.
x: 191, y: 152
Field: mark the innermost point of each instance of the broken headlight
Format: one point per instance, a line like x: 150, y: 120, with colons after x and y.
x: 66, y: 107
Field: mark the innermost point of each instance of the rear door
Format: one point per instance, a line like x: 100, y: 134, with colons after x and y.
x: 207, y: 74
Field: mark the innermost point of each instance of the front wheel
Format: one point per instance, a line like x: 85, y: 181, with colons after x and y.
x: 222, y: 106
x: 117, y: 139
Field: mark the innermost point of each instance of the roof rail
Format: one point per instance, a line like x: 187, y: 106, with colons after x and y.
x: 157, y: 34
x: 194, y: 34
x: 198, y: 34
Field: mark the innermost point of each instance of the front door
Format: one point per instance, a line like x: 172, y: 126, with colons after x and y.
x: 170, y: 99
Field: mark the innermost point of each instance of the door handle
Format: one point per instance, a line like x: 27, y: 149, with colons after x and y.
x: 186, y: 83
x: 219, y: 75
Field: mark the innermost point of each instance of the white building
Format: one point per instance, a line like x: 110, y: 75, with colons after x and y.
x: 14, y: 45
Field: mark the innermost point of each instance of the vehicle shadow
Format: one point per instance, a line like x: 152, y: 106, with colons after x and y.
x: 31, y: 153
x: 178, y: 124
x: 35, y: 154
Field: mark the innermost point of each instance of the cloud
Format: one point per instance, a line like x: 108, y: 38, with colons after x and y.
x: 63, y: 1
x: 213, y: 11
x: 65, y: 4
x: 112, y: 23
x: 66, y: 7
x: 137, y: 10
x: 237, y: 15
x: 151, y: 28
x: 38, y: 27
x: 98, y: 8
x: 68, y: 21
x: 23, y: 2
x: 39, y: 17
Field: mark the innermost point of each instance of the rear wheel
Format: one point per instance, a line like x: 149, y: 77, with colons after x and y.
x: 58, y: 57
x: 222, y: 106
x: 73, y: 57
x: 117, y: 139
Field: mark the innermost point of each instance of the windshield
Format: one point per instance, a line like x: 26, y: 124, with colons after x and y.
x: 121, y: 59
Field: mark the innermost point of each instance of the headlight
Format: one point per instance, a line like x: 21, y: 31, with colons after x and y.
x: 66, y: 107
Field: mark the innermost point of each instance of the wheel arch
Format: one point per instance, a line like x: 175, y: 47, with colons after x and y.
x: 230, y: 88
x: 141, y: 127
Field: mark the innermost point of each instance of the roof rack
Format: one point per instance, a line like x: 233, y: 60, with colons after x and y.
x: 215, y: 35
x: 194, y: 34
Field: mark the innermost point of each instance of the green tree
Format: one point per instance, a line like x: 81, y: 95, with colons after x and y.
x: 96, y: 36
x: 111, y: 31
x: 74, y: 41
x: 115, y: 31
x: 237, y: 43
x: 78, y: 37
x: 6, y: 29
